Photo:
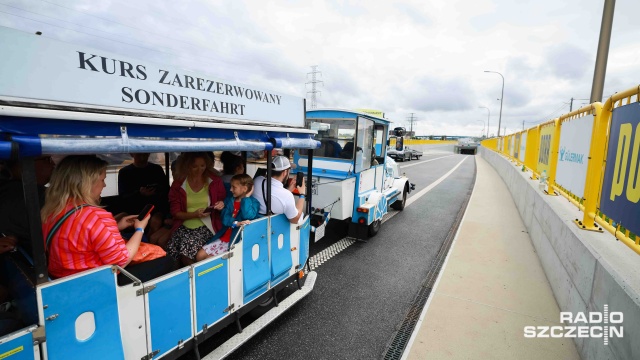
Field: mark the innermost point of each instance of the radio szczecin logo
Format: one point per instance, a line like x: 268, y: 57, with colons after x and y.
x: 593, y: 324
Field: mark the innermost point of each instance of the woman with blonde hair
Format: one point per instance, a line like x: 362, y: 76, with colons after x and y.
x: 80, y: 235
x: 195, y: 201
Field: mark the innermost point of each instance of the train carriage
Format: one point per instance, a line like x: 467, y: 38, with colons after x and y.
x: 60, y: 99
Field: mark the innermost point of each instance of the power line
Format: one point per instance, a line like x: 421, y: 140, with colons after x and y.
x: 69, y: 22
x: 314, y: 81
x: 146, y: 31
x: 190, y: 57
x: 412, y: 119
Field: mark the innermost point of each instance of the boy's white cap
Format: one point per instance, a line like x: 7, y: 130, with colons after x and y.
x: 280, y: 163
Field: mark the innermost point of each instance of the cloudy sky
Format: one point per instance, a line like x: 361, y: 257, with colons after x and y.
x: 424, y: 57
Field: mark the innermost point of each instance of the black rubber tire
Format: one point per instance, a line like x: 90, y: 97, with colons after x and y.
x: 374, y: 227
x: 400, y: 203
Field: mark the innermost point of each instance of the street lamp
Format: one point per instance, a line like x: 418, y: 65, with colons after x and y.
x: 501, y: 98
x: 488, y: 117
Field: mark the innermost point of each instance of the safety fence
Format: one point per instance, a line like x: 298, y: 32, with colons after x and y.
x: 591, y: 157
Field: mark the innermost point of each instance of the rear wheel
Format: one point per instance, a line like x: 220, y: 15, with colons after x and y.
x: 374, y: 227
x: 400, y: 203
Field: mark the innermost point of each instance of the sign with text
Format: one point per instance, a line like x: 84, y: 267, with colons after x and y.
x: 575, y: 142
x: 546, y: 133
x: 37, y: 68
x: 620, y: 198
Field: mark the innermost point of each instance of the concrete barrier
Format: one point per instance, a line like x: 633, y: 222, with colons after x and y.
x: 586, y: 270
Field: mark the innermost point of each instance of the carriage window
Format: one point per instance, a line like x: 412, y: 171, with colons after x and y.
x: 380, y: 141
x: 336, y: 138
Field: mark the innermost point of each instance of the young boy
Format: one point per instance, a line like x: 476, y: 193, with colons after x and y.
x: 239, y: 209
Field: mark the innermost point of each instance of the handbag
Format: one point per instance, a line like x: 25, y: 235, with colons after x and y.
x: 148, y: 252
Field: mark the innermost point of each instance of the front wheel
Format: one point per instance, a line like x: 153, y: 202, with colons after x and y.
x: 400, y: 203
x: 374, y: 227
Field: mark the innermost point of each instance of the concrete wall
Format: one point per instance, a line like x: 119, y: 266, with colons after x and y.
x: 586, y: 270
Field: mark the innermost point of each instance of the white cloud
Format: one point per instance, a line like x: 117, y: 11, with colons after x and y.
x: 425, y: 57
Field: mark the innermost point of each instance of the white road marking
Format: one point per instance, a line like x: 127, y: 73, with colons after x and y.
x: 433, y: 184
x: 333, y: 250
x: 422, y: 162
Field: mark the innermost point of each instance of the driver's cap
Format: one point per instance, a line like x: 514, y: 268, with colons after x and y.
x: 280, y: 163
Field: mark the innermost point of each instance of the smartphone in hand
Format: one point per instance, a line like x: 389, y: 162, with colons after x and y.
x: 299, y: 178
x: 145, y: 212
x: 208, y: 210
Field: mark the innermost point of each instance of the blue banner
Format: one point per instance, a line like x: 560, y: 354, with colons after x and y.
x: 621, y: 188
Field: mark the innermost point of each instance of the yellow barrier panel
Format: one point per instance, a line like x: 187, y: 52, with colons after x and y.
x: 532, y: 149
x: 592, y: 193
x: 547, y: 130
x: 542, y: 150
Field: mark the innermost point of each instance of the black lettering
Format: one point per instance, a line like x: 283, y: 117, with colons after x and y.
x: 214, y: 107
x: 195, y: 103
x: 183, y: 101
x: 210, y: 86
x: 164, y: 75
x: 224, y: 107
x: 160, y: 98
x: 200, y: 83
x: 84, y: 62
x: 273, y: 98
x: 177, y: 79
x: 227, y: 89
x: 146, y: 94
x: 234, y: 109
x: 188, y: 82
x: 238, y: 90
x: 278, y: 97
x: 141, y: 71
x: 171, y: 103
x: 126, y: 91
x: 241, y: 109
x: 125, y: 67
x: 219, y: 88
x: 257, y: 94
x: 205, y: 104
x: 104, y: 65
x: 248, y: 94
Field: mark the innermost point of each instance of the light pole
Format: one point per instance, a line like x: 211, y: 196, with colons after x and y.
x: 482, y: 121
x: 501, y: 98
x: 488, y: 117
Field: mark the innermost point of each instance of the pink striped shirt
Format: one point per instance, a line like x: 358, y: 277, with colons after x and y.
x: 87, y: 239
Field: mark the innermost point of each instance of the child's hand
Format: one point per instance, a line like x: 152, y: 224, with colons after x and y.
x: 244, y: 222
x: 249, y: 193
x: 219, y: 205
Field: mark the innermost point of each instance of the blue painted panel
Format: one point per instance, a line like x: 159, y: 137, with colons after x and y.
x: 619, y: 198
x: 255, y: 273
x: 94, y: 292
x: 170, y: 312
x: 305, y: 233
x: 20, y: 348
x: 212, y: 291
x: 280, y: 257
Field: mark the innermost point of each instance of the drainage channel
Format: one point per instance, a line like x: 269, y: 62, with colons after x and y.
x: 398, y: 343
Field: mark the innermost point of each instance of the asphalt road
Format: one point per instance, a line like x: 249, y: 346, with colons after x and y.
x: 362, y: 294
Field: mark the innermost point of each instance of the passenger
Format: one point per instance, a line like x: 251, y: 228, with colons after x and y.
x: 195, y: 203
x: 282, y: 200
x: 13, y: 210
x: 83, y: 235
x: 239, y: 209
x: 231, y: 165
x: 9, y: 321
x: 143, y: 183
x: 347, y: 151
x: 332, y: 148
